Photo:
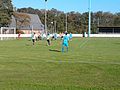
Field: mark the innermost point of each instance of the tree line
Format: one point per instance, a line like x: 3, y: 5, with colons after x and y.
x: 76, y: 22
x: 6, y: 10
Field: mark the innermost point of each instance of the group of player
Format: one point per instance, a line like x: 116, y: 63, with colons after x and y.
x: 65, y: 39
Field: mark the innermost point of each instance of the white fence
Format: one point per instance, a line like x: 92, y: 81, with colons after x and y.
x: 74, y: 35
x: 13, y: 36
x: 97, y: 35
x: 105, y: 35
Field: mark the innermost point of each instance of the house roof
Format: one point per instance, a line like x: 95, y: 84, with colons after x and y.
x: 35, y: 23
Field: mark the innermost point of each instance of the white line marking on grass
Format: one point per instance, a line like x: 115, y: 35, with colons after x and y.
x: 85, y: 62
x: 63, y: 61
x: 83, y: 43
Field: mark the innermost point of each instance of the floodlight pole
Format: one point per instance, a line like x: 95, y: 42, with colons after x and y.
x: 66, y: 23
x: 55, y: 26
x: 45, y: 17
x: 32, y: 29
x: 89, y: 24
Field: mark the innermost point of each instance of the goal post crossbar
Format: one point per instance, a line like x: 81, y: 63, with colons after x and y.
x: 7, y: 32
x: 8, y: 29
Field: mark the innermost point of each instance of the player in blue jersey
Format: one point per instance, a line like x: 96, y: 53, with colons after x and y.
x: 65, y: 42
x: 70, y: 36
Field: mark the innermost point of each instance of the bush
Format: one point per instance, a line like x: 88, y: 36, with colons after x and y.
x: 19, y: 31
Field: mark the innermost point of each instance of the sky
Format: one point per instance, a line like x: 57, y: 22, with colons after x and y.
x: 80, y: 6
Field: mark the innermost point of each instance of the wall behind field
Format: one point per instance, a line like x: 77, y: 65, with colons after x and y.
x: 97, y: 35
x: 74, y: 35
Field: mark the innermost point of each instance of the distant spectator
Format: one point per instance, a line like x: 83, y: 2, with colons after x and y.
x: 70, y: 36
x: 33, y: 38
x: 61, y: 35
x: 48, y: 39
x: 55, y: 36
x: 19, y: 34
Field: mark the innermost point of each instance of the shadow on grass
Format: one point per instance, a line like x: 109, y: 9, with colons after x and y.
x: 117, y: 43
x: 27, y: 44
x: 54, y: 50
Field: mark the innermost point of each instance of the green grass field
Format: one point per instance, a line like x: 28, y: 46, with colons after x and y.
x: 90, y: 64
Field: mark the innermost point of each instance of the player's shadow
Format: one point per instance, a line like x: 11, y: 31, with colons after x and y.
x: 54, y: 50
x: 27, y: 44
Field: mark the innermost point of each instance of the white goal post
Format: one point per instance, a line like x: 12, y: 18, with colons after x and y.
x: 6, y: 32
